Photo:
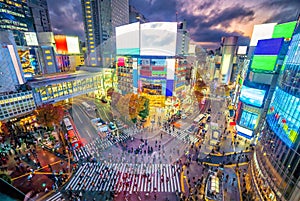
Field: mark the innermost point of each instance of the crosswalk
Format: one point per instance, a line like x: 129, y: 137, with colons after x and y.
x: 99, y: 145
x: 183, y: 135
x: 56, y: 197
x: 120, y: 177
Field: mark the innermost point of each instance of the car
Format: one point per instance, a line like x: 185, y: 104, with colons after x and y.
x: 183, y: 116
x: 208, y: 119
x: 112, y: 126
x: 103, y: 100
x: 191, y: 129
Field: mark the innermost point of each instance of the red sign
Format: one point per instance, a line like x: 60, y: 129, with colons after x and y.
x: 61, y: 44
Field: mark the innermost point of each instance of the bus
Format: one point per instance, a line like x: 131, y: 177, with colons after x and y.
x: 87, y: 106
x: 199, y: 118
x: 68, y: 124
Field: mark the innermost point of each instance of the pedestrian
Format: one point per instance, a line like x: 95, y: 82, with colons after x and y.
x: 155, y: 197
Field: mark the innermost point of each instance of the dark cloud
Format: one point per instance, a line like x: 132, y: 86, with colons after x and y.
x: 66, y: 17
x: 285, y: 11
x: 200, y: 26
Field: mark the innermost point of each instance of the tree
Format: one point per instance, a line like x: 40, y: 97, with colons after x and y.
x: 144, y: 107
x: 49, y: 115
x: 4, y: 128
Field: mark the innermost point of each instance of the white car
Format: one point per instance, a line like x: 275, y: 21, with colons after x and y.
x: 183, y: 116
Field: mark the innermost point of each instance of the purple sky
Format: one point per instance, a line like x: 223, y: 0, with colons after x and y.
x: 207, y: 20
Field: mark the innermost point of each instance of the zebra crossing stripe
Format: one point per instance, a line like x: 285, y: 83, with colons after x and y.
x: 55, y: 197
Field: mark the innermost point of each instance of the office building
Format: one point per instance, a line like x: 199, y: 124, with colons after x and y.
x: 150, y: 67
x: 136, y: 16
x: 228, y: 53
x: 260, y: 80
x: 40, y: 15
x: 100, y: 19
x: 277, y: 160
x: 16, y: 16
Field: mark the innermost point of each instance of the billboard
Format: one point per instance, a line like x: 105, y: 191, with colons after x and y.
x: 128, y: 39
x: 265, y: 63
x: 73, y: 45
x: 244, y: 131
x: 284, y: 30
x: 61, y: 44
x: 31, y: 39
x: 262, y: 31
x: 242, y: 50
x: 252, y: 96
x: 268, y: 46
x: 158, y: 38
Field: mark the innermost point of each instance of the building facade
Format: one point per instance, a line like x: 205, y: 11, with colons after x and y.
x: 281, y: 132
x: 100, y: 18
x: 16, y: 16
x: 40, y: 14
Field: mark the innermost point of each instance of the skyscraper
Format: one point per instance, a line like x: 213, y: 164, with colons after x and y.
x: 40, y: 14
x: 16, y: 16
x: 100, y: 19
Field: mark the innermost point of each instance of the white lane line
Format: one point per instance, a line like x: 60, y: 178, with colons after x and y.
x: 78, y: 116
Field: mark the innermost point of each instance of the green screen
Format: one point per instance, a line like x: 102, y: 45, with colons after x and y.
x: 284, y: 30
x: 264, y: 62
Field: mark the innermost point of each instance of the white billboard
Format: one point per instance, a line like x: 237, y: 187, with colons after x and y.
x: 262, y: 31
x: 31, y: 39
x: 73, y: 44
x: 128, y: 39
x: 158, y: 38
x: 242, y: 50
x: 170, y: 69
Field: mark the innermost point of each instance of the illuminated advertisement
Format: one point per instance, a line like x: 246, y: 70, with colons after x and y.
x: 73, y: 44
x: 268, y: 46
x: 284, y: 119
x: 244, y: 131
x: 252, y: 96
x: 61, y: 44
x: 63, y: 62
x: 127, y: 39
x: 265, y: 63
x: 158, y: 38
x: 242, y: 50
x: 262, y: 31
x: 284, y: 30
x: 29, y: 62
x: 31, y: 39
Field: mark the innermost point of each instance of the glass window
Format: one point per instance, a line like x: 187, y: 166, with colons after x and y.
x: 248, y: 120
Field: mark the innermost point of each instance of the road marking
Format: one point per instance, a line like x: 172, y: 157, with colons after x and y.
x: 89, y: 133
x: 78, y: 116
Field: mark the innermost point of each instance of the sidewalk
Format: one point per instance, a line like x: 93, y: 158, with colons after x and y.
x: 20, y: 169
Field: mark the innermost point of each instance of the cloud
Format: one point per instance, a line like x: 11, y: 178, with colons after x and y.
x: 66, y: 17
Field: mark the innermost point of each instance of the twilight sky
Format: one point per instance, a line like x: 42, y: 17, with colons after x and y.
x: 207, y: 20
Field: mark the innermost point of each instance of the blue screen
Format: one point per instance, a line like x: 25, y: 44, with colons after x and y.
x: 252, y: 96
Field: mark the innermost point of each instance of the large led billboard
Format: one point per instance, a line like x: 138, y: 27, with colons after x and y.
x: 158, y: 38
x: 252, y: 96
x: 31, y: 39
x: 265, y: 63
x: 61, y: 44
x: 244, y: 131
x: 73, y: 44
x: 261, y: 31
x: 128, y: 39
x: 268, y: 46
x: 284, y: 30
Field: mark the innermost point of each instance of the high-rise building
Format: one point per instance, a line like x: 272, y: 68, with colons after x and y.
x: 40, y: 14
x: 136, y: 16
x: 16, y: 16
x: 277, y: 160
x: 228, y: 50
x: 100, y: 19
